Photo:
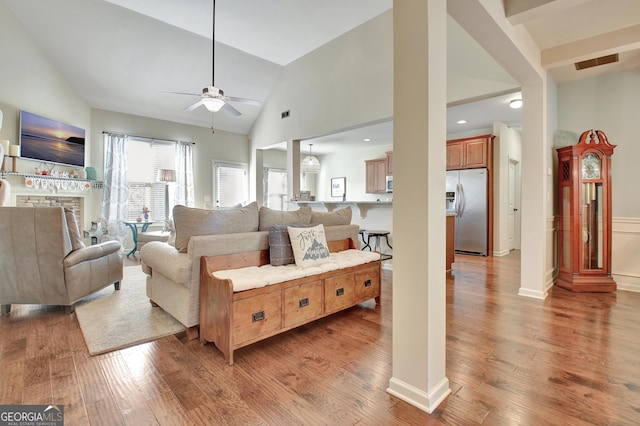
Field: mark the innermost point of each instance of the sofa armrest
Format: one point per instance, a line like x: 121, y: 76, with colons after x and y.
x: 91, y: 252
x: 160, y: 257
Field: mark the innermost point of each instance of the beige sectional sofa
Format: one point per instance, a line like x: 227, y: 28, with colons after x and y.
x: 173, y: 268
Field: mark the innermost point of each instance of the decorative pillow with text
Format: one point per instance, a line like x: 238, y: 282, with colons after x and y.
x: 309, y: 245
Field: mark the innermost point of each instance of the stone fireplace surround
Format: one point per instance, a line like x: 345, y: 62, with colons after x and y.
x: 55, y: 200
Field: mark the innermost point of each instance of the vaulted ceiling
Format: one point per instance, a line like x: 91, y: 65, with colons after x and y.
x: 121, y: 55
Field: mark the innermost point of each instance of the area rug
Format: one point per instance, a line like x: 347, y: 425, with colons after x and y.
x: 112, y: 320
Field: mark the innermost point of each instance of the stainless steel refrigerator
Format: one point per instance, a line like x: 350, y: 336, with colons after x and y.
x: 469, y: 188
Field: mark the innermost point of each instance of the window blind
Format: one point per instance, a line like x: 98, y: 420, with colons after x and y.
x: 145, y: 158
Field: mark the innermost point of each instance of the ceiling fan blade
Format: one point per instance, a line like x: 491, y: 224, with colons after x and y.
x: 244, y: 101
x: 182, y: 93
x: 231, y: 110
x: 194, y: 106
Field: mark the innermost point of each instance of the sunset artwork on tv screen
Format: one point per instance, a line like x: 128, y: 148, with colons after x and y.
x: 50, y: 141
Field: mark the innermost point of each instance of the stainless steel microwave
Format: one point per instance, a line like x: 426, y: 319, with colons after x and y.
x: 389, y: 183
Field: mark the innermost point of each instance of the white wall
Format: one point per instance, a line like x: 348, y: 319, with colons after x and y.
x: 30, y: 81
x: 611, y: 103
x: 274, y: 158
x: 337, y: 86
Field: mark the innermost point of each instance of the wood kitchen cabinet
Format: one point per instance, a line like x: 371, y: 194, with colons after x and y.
x: 376, y: 176
x: 389, y: 163
x: 468, y: 153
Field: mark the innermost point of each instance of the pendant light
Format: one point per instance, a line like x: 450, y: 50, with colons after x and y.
x: 310, y: 164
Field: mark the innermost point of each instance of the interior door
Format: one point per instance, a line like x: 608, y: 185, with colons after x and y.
x: 513, y: 240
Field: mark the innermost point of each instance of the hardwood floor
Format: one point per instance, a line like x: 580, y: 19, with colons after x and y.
x: 570, y: 359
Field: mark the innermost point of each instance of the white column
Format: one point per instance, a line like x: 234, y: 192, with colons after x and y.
x: 419, y: 155
x: 258, y: 176
x: 293, y: 167
x: 535, y: 191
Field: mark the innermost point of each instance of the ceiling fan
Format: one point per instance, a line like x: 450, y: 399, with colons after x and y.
x: 212, y: 97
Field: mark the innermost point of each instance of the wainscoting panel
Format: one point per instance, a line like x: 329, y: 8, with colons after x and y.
x: 552, y: 252
x: 625, y: 256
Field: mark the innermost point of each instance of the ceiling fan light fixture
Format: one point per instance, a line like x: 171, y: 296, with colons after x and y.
x: 310, y: 164
x: 213, y: 104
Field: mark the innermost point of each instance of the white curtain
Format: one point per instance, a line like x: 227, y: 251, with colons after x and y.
x: 114, y: 197
x: 184, y: 193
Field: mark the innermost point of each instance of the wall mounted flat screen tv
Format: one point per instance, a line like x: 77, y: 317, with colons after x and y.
x: 49, y: 141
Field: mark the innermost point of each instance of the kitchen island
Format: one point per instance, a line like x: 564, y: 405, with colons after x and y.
x: 451, y: 240
x: 363, y: 206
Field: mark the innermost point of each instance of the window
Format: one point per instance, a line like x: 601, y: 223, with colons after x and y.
x: 230, y: 184
x: 275, y: 192
x: 144, y: 159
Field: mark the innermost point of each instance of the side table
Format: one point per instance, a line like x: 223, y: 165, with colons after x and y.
x: 133, y: 225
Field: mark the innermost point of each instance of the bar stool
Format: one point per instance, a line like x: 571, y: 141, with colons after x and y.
x: 376, y: 234
x: 366, y: 244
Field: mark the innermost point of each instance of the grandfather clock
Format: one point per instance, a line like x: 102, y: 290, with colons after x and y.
x: 584, y: 239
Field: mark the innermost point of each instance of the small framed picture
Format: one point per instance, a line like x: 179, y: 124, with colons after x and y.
x: 338, y: 186
x: 305, y: 196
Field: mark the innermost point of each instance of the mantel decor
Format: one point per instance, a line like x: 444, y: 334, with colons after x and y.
x: 584, y: 211
x: 51, y: 183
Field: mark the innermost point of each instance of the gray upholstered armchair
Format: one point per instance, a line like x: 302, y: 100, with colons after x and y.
x: 44, y: 261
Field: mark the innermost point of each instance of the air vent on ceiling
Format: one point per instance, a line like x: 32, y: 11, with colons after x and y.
x: 590, y: 63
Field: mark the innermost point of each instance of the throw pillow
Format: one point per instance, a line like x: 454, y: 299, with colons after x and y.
x: 280, y: 250
x: 190, y: 222
x: 309, y: 245
x: 339, y: 217
x: 171, y: 229
x: 72, y: 227
x: 270, y: 217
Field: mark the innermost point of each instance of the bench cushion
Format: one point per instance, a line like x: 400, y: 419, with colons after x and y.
x: 259, y: 276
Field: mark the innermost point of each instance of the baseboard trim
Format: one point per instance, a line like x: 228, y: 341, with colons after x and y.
x: 424, y: 401
x: 533, y: 294
x: 627, y: 282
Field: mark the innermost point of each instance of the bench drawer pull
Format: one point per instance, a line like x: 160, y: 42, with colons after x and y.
x: 303, y: 302
x: 367, y: 283
x: 258, y: 316
x: 340, y: 292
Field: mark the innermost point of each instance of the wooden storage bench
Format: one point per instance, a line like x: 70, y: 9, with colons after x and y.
x: 232, y: 320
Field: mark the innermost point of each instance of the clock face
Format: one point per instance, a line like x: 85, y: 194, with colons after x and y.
x: 591, y: 166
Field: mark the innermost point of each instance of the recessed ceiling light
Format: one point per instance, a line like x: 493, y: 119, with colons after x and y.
x: 461, y: 121
x: 367, y: 140
x: 516, y: 103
